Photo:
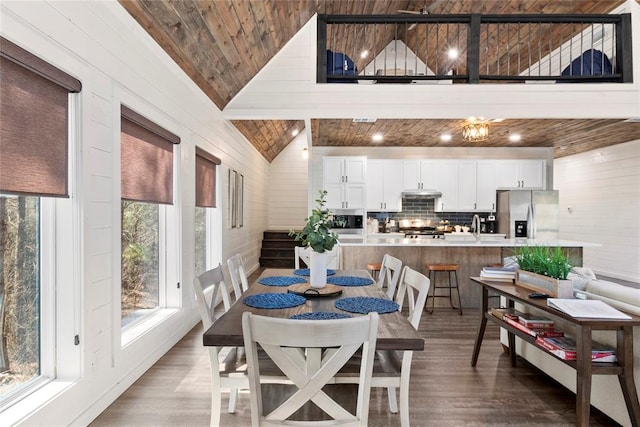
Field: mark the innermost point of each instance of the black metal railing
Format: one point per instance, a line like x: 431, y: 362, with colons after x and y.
x: 474, y: 48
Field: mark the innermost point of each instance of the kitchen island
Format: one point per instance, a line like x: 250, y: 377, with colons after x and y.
x: 471, y: 256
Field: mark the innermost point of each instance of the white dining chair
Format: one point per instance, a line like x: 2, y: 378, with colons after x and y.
x: 392, y: 369
x: 228, y: 364
x: 302, y: 253
x: 295, y: 346
x: 390, y: 271
x: 238, y: 275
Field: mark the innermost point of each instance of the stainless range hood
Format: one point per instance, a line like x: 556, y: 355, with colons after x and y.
x: 421, y: 194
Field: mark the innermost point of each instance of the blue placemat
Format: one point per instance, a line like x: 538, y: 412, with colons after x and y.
x: 281, y: 280
x: 320, y: 315
x: 349, y: 281
x: 305, y: 272
x: 366, y: 305
x: 274, y: 300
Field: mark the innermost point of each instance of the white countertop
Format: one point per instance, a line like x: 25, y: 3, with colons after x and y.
x: 504, y: 243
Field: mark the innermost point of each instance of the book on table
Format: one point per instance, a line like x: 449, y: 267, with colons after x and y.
x: 565, y: 348
x: 498, y: 274
x: 588, y: 308
x: 534, y: 332
x: 534, y: 321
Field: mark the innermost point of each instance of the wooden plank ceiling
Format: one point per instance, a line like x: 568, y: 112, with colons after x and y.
x: 221, y: 46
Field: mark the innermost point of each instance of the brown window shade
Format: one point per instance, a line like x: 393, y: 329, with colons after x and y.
x: 206, y: 179
x: 146, y: 159
x: 34, y: 98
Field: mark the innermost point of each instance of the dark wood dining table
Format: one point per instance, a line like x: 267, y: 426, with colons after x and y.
x: 394, y: 330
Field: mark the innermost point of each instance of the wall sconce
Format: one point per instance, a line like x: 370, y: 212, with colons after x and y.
x: 305, y: 153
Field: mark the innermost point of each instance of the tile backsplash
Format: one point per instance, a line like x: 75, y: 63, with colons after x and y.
x: 425, y: 209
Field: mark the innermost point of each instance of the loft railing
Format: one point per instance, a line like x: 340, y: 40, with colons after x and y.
x: 474, y: 48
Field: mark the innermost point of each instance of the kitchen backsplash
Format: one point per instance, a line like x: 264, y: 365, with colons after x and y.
x: 425, y: 209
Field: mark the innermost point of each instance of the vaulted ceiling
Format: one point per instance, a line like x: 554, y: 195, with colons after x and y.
x: 221, y: 46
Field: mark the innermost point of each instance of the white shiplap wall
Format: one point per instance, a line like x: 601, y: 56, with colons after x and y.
x: 118, y: 62
x: 288, y: 186
x: 600, y: 203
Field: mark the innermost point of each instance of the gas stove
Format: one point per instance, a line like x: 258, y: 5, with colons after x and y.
x: 424, y: 234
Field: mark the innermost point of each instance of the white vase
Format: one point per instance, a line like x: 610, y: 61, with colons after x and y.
x: 318, y: 269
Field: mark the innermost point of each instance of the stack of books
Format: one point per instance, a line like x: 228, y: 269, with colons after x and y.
x: 502, y: 274
x: 536, y: 326
x: 565, y: 348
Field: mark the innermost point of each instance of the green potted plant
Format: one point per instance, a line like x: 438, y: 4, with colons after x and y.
x: 542, y: 268
x: 318, y: 236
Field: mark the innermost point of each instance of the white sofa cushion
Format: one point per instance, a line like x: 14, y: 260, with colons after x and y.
x: 622, y: 297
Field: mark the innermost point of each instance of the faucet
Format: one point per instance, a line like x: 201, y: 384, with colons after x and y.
x: 475, y: 225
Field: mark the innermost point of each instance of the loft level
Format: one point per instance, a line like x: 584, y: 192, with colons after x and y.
x: 443, y: 49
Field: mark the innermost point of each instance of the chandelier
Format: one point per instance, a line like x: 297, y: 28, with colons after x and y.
x: 476, y: 130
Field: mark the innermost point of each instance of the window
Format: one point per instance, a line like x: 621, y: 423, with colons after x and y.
x: 205, y: 200
x: 147, y: 194
x: 34, y: 159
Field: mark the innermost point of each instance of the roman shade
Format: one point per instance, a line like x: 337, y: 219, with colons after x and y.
x: 206, y: 178
x: 34, y: 112
x: 146, y: 159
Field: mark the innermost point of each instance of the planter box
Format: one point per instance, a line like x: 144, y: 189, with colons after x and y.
x: 544, y: 284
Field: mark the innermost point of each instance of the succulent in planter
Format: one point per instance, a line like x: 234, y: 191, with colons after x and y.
x: 543, y: 260
x: 317, y: 232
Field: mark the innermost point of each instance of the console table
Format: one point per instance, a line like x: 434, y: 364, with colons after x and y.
x: 583, y: 365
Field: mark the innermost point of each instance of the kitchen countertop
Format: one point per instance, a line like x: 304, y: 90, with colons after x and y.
x: 376, y: 240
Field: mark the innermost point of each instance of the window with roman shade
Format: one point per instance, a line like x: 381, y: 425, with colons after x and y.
x: 146, y: 159
x: 34, y: 111
x: 206, y: 178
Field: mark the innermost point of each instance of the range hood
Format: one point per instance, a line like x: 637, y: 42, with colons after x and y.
x: 420, y: 193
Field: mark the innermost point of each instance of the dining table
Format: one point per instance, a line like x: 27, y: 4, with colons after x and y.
x: 394, y: 330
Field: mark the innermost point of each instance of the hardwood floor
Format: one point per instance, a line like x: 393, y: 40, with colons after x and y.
x: 445, y: 389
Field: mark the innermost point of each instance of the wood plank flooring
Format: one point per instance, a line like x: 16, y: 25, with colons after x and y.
x: 445, y: 389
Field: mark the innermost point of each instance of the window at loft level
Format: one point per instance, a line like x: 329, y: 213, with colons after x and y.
x: 140, y: 259
x: 19, y: 292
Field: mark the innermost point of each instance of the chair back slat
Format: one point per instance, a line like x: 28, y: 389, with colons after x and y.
x: 390, y: 272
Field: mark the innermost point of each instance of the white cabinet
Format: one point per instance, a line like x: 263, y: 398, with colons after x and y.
x: 344, y: 180
x: 448, y: 186
x: 420, y: 174
x: 384, y: 185
x: 467, y: 186
x: 527, y: 174
x: 486, y: 185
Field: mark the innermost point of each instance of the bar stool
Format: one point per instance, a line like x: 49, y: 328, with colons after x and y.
x: 374, y: 269
x: 433, y: 269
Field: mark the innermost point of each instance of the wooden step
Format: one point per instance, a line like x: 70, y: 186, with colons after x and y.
x: 279, y: 243
x: 277, y: 252
x: 276, y: 262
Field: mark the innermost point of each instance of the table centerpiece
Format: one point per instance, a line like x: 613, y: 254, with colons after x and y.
x: 318, y: 236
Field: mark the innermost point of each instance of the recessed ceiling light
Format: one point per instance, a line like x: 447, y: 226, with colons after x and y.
x: 445, y: 137
x: 377, y: 137
x: 364, y: 54
x: 453, y: 53
x: 515, y: 137
x: 295, y: 132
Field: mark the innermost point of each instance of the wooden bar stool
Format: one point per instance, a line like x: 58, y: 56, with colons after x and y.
x: 432, y: 270
x: 374, y: 269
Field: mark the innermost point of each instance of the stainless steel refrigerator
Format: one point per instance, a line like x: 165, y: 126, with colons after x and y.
x: 531, y: 214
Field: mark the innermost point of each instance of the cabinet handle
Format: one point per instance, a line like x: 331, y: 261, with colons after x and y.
x: 493, y: 206
x: 475, y: 206
x: 346, y: 179
x: 346, y: 204
x: 385, y: 206
x: 522, y: 183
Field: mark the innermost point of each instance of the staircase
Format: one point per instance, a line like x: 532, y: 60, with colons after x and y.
x: 277, y: 250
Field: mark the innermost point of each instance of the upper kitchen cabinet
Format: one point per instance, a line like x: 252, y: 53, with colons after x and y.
x: 384, y: 185
x: 344, y: 180
x: 521, y: 174
x: 448, y: 179
x: 467, y: 186
x: 420, y: 174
